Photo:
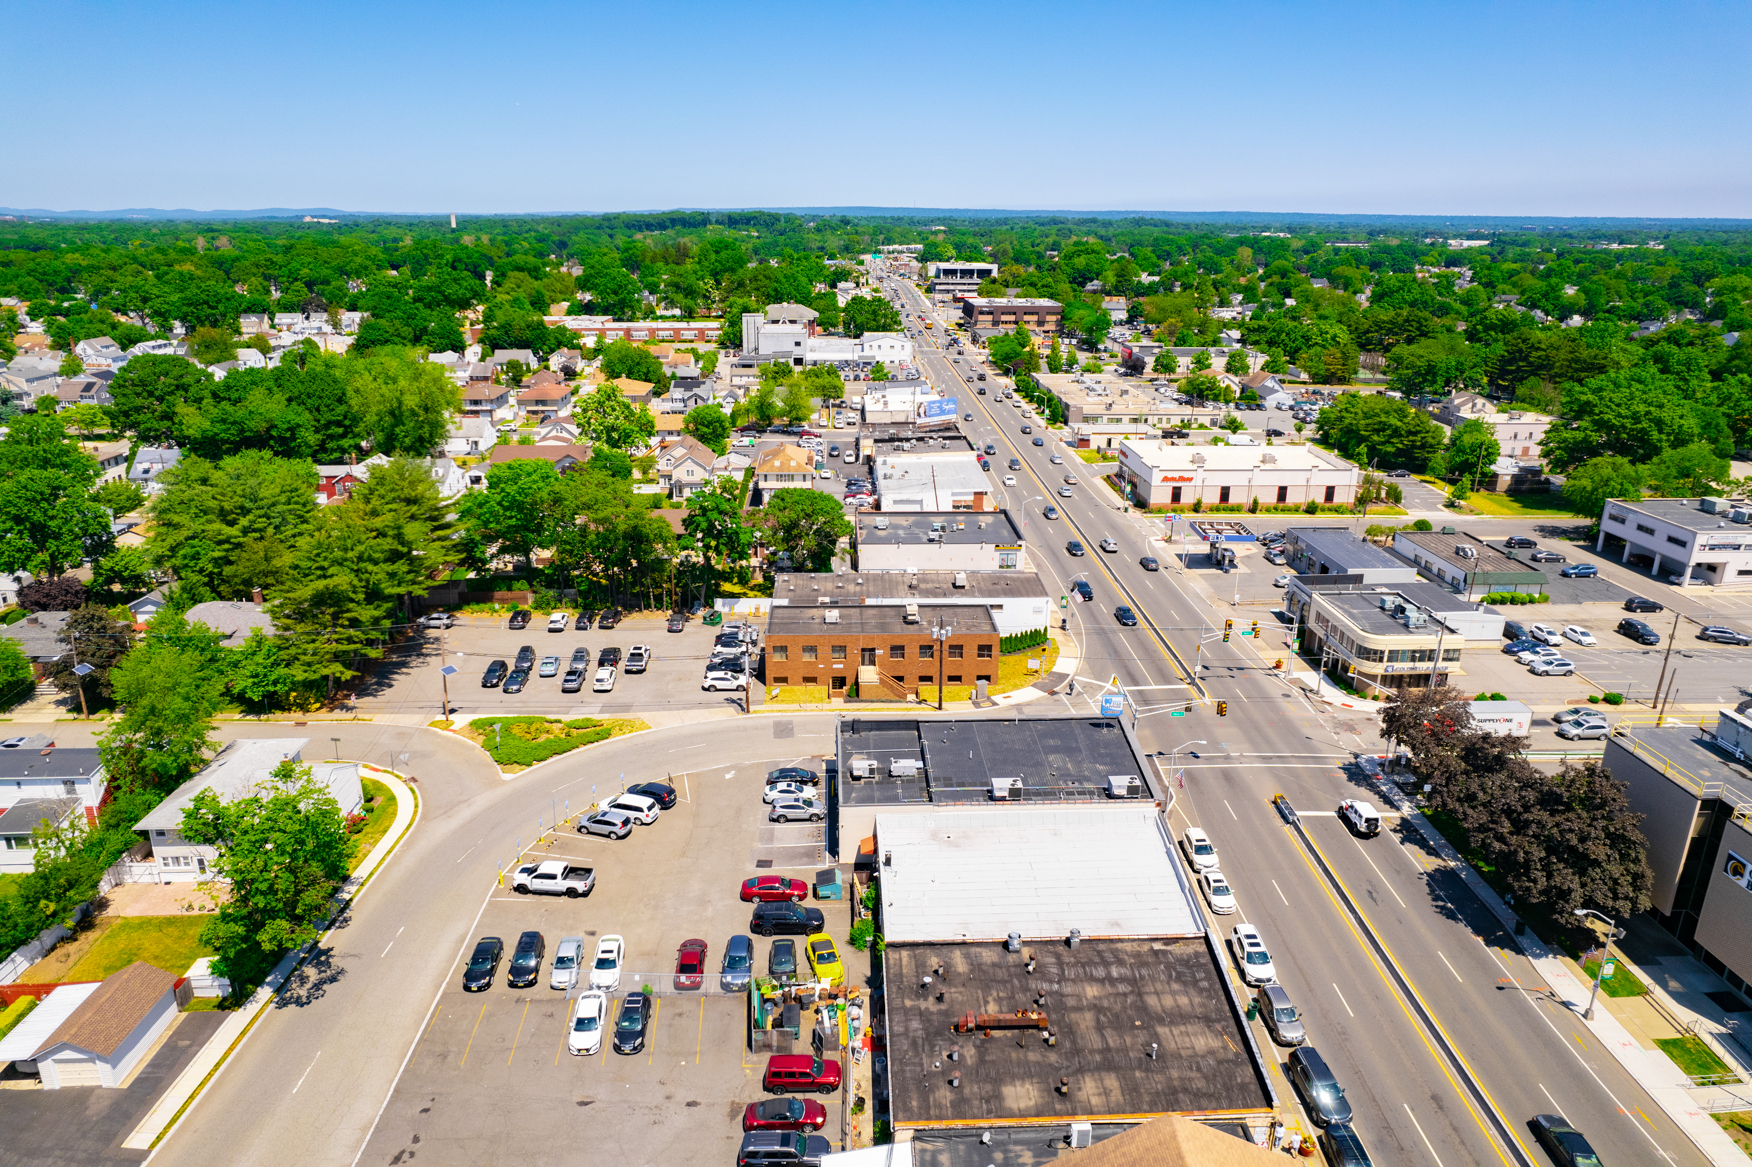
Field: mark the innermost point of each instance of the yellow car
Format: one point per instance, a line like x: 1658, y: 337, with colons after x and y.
x: 824, y: 959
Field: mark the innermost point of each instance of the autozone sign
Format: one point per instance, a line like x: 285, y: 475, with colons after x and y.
x: 1176, y: 478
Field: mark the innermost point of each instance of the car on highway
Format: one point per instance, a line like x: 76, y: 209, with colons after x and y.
x: 611, y: 824
x: 1722, y: 634
x: 1638, y: 631
x: 1280, y: 1016
x: 990, y: 448
x: 690, y: 964
x: 603, y: 682
x: 1148, y: 563
x: 1361, y: 817
x: 1591, y: 727
x: 568, y: 959
x: 1642, y: 604
x: 495, y: 674
x: 1083, y: 590
x: 1318, y: 1086
x: 1200, y: 851
x: 824, y: 959
x: 1109, y: 546
x: 1065, y: 492
x: 784, y: 1114
x: 1251, y: 955
x: 588, y: 1015
x: 630, y: 1023
x: 800, y: 1073
x: 967, y: 417
x: 525, y: 966
x: 1015, y: 464
x: 800, y: 774
x: 1545, y: 634
x: 1217, y: 892
x: 483, y: 964
x: 785, y: 917
x: 1057, y: 460
x: 772, y: 888
x: 1126, y: 617
x: 515, y: 681
x: 1554, y: 666
x: 677, y: 622
x: 1581, y: 571
x: 786, y: 791
x: 1040, y: 441
x: 550, y: 667
x: 1074, y: 547
x: 1051, y: 512
x: 1580, y: 635
x: 1009, y: 480
x: 557, y: 621
x: 1566, y: 1145
x: 719, y: 680
x: 519, y: 619
x: 437, y: 620
x: 1027, y: 429
x: 782, y: 960
x: 736, y: 971
x: 794, y: 809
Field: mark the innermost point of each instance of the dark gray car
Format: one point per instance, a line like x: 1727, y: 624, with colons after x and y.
x: 738, y: 967
x: 1280, y: 1016
x: 525, y: 966
x: 1319, y: 1088
x: 781, y: 1147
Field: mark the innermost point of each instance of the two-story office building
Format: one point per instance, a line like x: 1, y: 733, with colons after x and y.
x: 958, y: 277
x: 1163, y: 476
x: 1383, y: 639
x: 1007, y: 312
x: 1016, y: 600
x: 1688, y: 541
x: 937, y: 541
x: 884, y: 650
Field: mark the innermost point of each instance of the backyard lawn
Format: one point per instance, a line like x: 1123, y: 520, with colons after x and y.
x: 1539, y: 505
x: 171, y: 943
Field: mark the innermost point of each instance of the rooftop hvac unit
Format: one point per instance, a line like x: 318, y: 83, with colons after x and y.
x: 1415, y: 618
x: 1466, y: 551
x: 882, y: 522
x: 1006, y: 790
x: 831, y: 616
x: 1740, y: 515
x: 961, y: 579
x: 912, y: 612
x: 903, y: 768
x: 863, y: 767
x: 1388, y: 601
x: 933, y: 536
x: 1124, y: 786
x: 1713, y: 506
x: 1082, y: 1135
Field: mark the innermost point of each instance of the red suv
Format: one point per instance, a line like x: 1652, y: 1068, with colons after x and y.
x: 794, y: 1073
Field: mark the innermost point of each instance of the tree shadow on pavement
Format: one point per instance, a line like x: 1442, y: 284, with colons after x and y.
x: 309, y: 982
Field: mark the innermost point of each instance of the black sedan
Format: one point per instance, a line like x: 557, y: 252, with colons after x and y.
x: 608, y: 619
x: 793, y: 774
x: 1074, y: 547
x: 1126, y: 616
x: 525, y: 964
x: 1546, y: 557
x: 1564, y: 1142
x: 515, y: 682
x: 677, y: 621
x: 494, y: 675
x: 1721, y: 634
x: 631, y: 1022
x: 1040, y: 441
x: 1639, y: 604
x: 1149, y: 563
x: 483, y: 965
x: 659, y: 792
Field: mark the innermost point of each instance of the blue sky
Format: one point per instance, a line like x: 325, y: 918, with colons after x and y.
x: 1461, y: 108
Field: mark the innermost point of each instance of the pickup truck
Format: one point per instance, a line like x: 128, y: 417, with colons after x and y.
x: 554, y: 878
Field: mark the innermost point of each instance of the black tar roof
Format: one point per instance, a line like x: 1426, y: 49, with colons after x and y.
x: 1106, y: 1001
x: 39, y: 759
x: 1058, y: 759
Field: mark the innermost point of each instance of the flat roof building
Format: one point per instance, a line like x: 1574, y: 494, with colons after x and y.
x: 1387, y: 638
x: 1688, y: 541
x: 1104, y: 409
x: 1038, y: 316
x: 959, y: 276
x: 1467, y: 564
x: 1341, y: 551
x: 880, y: 651
x: 1017, y: 600
x: 950, y: 481
x: 937, y: 541
x: 1163, y: 476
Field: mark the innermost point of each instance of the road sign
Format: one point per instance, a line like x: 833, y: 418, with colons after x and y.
x: 1177, y: 713
x: 1112, y: 705
x: 1062, y: 603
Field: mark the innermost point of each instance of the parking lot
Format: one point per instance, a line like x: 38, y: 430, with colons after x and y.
x: 490, y: 1078
x: 410, y: 680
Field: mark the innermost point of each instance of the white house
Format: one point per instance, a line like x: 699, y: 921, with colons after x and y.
x: 240, y: 769
x: 109, y: 1031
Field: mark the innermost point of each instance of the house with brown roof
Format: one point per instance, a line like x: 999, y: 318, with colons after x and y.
x: 637, y: 392
x: 563, y: 457
x: 111, y: 1031
x: 784, y: 465
x: 544, y: 401
x: 684, y: 465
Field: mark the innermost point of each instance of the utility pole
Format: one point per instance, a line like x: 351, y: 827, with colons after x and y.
x: 1441, y: 630
x: 940, y: 634
x: 1665, y: 657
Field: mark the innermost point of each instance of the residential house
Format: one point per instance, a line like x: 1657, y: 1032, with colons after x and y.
x: 240, y: 769
x: 544, y: 402
x: 670, y: 423
x: 32, y: 375
x: 1116, y: 308
x: 286, y: 321
x: 784, y: 465
x: 686, y: 393
x: 563, y: 433
x: 335, y: 483
x: 108, y: 1032
x: 444, y: 471
x: 635, y: 392
x: 470, y: 436
x: 486, y: 400
x: 38, y: 637
x: 350, y: 321
x: 84, y: 390
x: 684, y: 465
x: 1265, y: 384
x: 236, y: 619
x: 35, y: 774
x: 253, y: 358
x: 10, y: 583
x: 506, y: 355
x: 254, y: 324
x: 566, y: 362
x: 100, y: 352
x: 1518, y: 432
x: 19, y: 824
x: 159, y: 346
x: 147, y: 606
x: 150, y: 463
x: 112, y: 459
x: 563, y: 457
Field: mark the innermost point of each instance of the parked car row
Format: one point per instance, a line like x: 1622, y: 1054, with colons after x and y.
x: 735, y: 657
x: 514, y: 677
x: 637, y: 805
x: 792, y: 795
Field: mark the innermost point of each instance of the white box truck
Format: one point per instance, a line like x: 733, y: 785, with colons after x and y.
x: 1503, y: 718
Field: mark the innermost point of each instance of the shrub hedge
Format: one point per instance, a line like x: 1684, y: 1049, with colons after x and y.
x: 524, y: 741
x: 1022, y: 641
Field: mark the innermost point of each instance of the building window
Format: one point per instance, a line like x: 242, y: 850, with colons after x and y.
x: 1283, y: 494
x: 1450, y: 654
x: 839, y: 683
x: 985, y: 652
x: 781, y: 652
x: 927, y: 651
x: 1331, y: 492
x: 983, y: 677
x: 1176, y: 495
x: 839, y: 652
x: 1676, y: 541
x: 954, y: 678
x: 955, y: 651
x: 1645, y: 530
x: 808, y: 652
x: 781, y: 680
x: 897, y: 652
x: 68, y: 786
x: 927, y: 679
x: 1223, y: 495
x: 1007, y: 559
x: 1612, y: 518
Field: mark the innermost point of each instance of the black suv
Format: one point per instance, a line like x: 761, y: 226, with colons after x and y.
x: 520, y: 619
x: 784, y: 916
x: 608, y: 656
x: 494, y: 675
x: 609, y: 619
x: 1639, y: 604
x: 630, y: 1023
x: 525, y: 964
x: 1519, y: 541
x: 483, y: 965
x: 1638, y: 631
x: 781, y: 1147
x: 1314, y: 1081
x: 1343, y: 1147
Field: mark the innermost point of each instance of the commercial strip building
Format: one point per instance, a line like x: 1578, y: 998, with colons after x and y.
x: 601, y: 329
x: 1466, y: 564
x: 937, y: 541
x: 1689, y: 541
x: 932, y: 482
x: 1007, y: 313
x: 1693, y: 786
x: 883, y: 651
x: 1341, y: 551
x: 1102, y: 410
x: 1406, y: 636
x: 1162, y: 476
x: 1016, y: 600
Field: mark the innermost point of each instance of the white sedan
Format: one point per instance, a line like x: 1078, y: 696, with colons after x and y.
x: 1281, y: 581
x: 1057, y: 460
x: 604, y: 681
x: 1216, y: 888
x: 605, y: 971
x: 1580, y: 635
x: 825, y: 474
x: 787, y: 792
x: 1009, y: 480
x: 585, y: 1035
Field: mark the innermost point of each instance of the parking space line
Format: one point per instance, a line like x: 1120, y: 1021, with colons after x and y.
x: 651, y: 1033
x: 518, y: 1036
x: 700, y: 1037
x: 471, y: 1037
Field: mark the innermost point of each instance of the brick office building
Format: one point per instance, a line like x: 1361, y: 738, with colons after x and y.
x: 884, y: 649
x: 1040, y: 316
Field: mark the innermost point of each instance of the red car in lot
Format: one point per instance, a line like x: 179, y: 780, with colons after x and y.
x: 690, y: 964
x: 800, y: 1073
x: 784, y: 1114
x: 771, y: 888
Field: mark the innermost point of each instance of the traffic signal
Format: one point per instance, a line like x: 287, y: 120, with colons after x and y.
x: 1222, y: 709
x: 1227, y: 625
x: 1256, y: 630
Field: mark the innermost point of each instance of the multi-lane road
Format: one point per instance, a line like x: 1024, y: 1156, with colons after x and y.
x: 1526, y: 1053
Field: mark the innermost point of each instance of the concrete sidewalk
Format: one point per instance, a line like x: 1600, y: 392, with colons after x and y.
x: 236, y: 1027
x: 1653, y: 1070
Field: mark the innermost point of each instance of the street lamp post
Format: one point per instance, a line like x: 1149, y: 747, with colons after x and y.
x: 1613, y: 932
x: 446, y: 673
x: 80, y: 671
x: 940, y: 634
x: 1176, y: 750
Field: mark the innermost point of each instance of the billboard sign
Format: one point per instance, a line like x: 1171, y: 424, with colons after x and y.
x: 938, y: 409
x: 1112, y: 705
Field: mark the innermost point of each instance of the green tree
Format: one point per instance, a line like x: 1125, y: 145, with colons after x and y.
x: 1201, y: 360
x: 1013, y: 352
x: 124, y: 569
x: 609, y: 419
x: 824, y: 381
x: 257, y: 670
x: 1163, y: 362
x: 714, y: 519
x: 408, y: 523
x: 17, y: 679
x: 283, y: 852
x: 612, y: 463
x: 1055, y: 358
x: 1688, y: 472
x: 404, y: 404
x: 94, y: 638
x: 878, y: 372
x: 805, y: 524
x: 869, y: 314
x: 230, y: 525
x: 86, y: 418
x: 213, y: 346
x: 1369, y: 427
x: 623, y: 358
x: 1234, y: 424
x: 515, y: 514
x: 1237, y: 363
x: 1589, y: 485
x: 49, y: 520
x: 169, y: 691
x: 148, y: 390
x: 71, y: 366
x: 120, y: 497
x: 797, y: 402
x: 1472, y: 450
x: 710, y: 425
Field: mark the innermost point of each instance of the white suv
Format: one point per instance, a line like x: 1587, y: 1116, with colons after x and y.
x: 1200, y: 851
x: 557, y: 622
x: 1251, y: 955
